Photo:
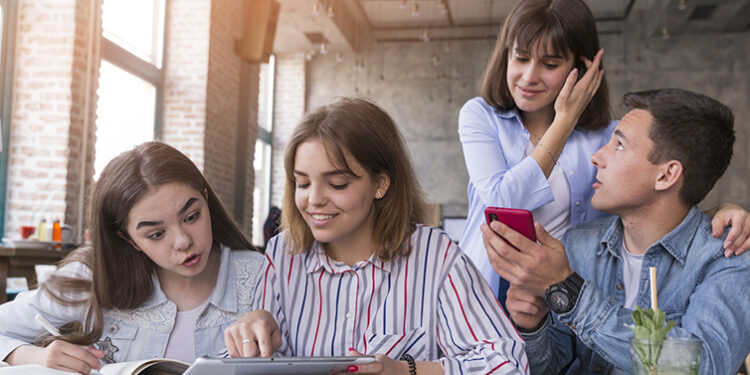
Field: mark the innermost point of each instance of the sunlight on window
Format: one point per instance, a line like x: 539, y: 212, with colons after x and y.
x: 261, y: 190
x: 132, y: 25
x: 125, y: 113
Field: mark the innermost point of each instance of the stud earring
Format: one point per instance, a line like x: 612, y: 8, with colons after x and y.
x: 377, y: 194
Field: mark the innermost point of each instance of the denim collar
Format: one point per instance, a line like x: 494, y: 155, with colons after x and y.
x: 676, y: 243
x: 217, y: 295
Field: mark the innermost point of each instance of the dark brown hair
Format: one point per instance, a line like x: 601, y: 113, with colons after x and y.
x: 121, y: 275
x: 691, y: 128
x: 369, y: 135
x: 565, y: 25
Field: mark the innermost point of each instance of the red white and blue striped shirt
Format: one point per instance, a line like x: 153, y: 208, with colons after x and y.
x: 432, y: 304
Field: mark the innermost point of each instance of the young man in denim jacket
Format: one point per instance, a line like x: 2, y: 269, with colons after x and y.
x: 664, y: 156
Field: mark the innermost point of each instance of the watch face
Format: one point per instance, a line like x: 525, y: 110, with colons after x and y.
x: 559, y: 300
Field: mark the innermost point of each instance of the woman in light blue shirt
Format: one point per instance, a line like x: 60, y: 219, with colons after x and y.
x: 167, y: 271
x: 543, y: 112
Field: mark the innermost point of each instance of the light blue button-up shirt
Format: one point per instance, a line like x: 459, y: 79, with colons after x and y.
x: 704, y: 292
x: 494, y: 144
x: 141, y: 333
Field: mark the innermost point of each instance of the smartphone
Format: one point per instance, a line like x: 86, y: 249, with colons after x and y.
x: 522, y: 221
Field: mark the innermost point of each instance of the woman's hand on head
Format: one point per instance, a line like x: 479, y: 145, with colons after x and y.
x: 58, y: 355
x: 734, y: 216
x: 255, y: 334
x: 576, y: 94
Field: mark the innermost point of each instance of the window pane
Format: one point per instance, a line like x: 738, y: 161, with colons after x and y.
x: 262, y: 190
x: 265, y: 95
x: 125, y: 113
x: 137, y: 26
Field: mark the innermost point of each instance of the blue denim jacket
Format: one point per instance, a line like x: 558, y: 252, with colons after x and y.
x: 701, y: 290
x: 141, y: 333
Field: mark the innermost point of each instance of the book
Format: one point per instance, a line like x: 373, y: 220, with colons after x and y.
x: 156, y: 366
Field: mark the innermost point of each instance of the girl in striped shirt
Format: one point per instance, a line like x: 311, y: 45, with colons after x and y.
x: 353, y: 273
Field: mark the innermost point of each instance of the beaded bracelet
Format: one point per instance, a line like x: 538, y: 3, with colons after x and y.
x: 412, y: 365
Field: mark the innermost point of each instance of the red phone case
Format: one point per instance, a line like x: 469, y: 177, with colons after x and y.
x: 522, y: 221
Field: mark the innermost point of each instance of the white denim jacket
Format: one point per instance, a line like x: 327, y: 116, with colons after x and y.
x: 141, y: 333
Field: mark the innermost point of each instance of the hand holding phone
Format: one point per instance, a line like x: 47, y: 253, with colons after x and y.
x: 520, y: 220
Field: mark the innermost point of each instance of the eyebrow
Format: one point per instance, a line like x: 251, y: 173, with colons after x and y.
x: 620, y: 134
x: 543, y: 56
x: 179, y: 213
x: 326, y: 174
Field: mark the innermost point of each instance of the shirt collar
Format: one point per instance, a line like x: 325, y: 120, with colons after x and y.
x: 316, y: 258
x: 511, y: 113
x: 224, y: 295
x: 676, y: 243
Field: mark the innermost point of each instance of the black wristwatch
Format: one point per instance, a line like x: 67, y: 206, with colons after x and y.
x: 562, y: 297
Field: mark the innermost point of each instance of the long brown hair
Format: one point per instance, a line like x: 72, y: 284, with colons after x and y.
x: 364, y: 131
x: 565, y: 25
x: 121, y: 275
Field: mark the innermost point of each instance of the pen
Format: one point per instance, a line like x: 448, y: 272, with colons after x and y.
x: 55, y: 332
x: 47, y: 325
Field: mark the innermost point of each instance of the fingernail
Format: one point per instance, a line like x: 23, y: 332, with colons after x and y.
x: 351, y: 349
x: 727, y: 253
x: 352, y: 369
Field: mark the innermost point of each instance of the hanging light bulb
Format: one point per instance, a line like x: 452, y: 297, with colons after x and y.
x: 309, y: 55
x: 425, y: 35
x: 403, y: 4
x: 330, y: 12
x: 415, y: 9
x: 316, y: 8
x: 323, y: 47
x: 339, y: 57
x: 665, y: 33
x: 683, y: 5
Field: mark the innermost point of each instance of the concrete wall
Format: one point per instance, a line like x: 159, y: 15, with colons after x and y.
x: 425, y: 106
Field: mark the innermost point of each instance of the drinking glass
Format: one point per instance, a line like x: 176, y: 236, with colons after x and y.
x: 678, y: 356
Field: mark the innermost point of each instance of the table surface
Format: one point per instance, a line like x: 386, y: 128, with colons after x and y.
x: 20, y: 261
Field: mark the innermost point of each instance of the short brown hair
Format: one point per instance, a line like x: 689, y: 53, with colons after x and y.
x: 692, y: 128
x: 565, y: 25
x: 364, y: 131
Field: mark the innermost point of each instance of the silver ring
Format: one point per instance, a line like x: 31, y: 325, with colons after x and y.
x: 245, y: 341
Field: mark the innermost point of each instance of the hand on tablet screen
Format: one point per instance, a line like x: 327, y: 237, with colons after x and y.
x: 255, y: 334
x: 382, y: 365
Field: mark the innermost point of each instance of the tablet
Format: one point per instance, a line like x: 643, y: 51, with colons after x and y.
x: 275, y: 365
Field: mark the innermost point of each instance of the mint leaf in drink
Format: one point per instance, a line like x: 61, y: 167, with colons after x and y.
x: 650, y: 329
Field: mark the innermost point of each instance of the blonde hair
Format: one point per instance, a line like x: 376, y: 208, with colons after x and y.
x: 363, y: 130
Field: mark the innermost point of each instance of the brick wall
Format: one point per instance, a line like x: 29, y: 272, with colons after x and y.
x: 201, y: 97
x: 222, y: 105
x: 289, y: 107
x: 185, y: 76
x: 48, y: 109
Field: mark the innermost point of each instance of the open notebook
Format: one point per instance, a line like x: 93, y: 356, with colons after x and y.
x: 212, y: 366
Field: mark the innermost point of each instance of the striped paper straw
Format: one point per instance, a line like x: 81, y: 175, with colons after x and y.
x: 652, y: 279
